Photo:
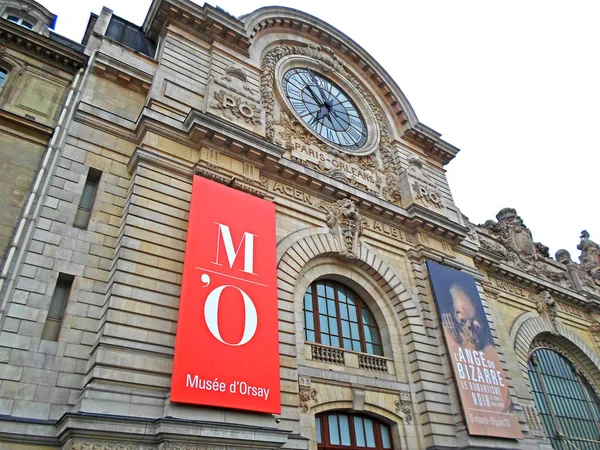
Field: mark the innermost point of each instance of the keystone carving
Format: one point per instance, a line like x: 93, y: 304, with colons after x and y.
x: 590, y: 256
x: 547, y: 308
x: 403, y: 407
x: 307, y: 395
x: 344, y: 221
x: 233, y: 107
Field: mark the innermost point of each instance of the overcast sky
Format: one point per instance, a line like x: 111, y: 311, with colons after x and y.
x: 514, y: 84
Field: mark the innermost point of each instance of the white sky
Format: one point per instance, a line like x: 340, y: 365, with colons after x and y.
x: 514, y: 84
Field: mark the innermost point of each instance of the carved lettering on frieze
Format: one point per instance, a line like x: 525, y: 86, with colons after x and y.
x: 507, y: 287
x: 234, y: 108
x: 294, y: 193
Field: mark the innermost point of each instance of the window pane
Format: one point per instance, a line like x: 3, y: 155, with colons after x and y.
x: 369, y: 433
x: 310, y: 336
x: 324, y: 324
x: 14, y: 19
x: 344, y: 429
x: 309, y: 320
x: 359, y: 432
x: 385, y: 437
x: 308, y: 303
x: 333, y: 326
x: 334, y: 431
x: 319, y: 437
x: 329, y: 290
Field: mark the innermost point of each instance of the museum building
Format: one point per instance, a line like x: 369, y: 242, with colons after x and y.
x: 234, y: 233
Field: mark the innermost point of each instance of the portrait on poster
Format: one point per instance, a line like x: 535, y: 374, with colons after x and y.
x: 477, y: 368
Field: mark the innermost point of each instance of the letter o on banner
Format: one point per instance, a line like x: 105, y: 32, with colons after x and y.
x: 211, y: 315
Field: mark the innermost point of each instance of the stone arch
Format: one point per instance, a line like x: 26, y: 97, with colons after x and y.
x: 528, y: 327
x: 298, y: 249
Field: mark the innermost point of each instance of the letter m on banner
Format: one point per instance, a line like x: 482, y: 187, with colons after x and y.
x: 224, y: 241
x: 227, y: 331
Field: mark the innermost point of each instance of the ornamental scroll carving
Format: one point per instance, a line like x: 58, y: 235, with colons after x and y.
x: 346, y: 223
x: 79, y: 444
x: 307, y: 395
x: 386, y: 184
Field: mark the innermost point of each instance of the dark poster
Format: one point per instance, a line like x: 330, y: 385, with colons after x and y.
x: 483, y: 389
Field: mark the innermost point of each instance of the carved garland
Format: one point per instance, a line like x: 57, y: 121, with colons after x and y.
x: 328, y: 61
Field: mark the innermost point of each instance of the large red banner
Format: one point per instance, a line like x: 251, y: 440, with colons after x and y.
x: 227, y: 346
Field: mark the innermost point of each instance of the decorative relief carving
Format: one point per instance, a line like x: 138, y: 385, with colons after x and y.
x: 595, y: 328
x: 403, y: 407
x: 233, y: 107
x: 239, y: 73
x: 580, y: 277
x: 547, y: 308
x: 428, y: 194
x: 387, y: 185
x: 590, y: 256
x: 418, y: 187
x: 344, y: 221
x: 307, y: 397
x: 79, y: 444
x: 511, y: 241
x: 533, y: 421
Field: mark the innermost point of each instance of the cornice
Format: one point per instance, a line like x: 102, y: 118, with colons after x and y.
x: 205, y: 128
x: 272, y: 18
x: 494, y: 266
x: 206, y: 21
x: 42, y: 132
x: 39, y: 46
x: 431, y: 142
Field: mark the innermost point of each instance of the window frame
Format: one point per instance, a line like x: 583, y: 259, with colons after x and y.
x: 22, y: 19
x: 541, y: 384
x: 359, y: 304
x: 322, y: 422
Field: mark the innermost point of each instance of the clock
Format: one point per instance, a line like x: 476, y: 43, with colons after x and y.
x: 325, y: 108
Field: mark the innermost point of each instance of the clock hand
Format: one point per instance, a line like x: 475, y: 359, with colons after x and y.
x: 314, y: 96
x: 314, y: 80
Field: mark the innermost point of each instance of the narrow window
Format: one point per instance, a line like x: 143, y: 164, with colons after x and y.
x: 84, y: 210
x: 57, y: 307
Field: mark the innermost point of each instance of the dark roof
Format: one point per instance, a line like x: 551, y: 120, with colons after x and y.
x: 66, y: 42
x: 130, y: 35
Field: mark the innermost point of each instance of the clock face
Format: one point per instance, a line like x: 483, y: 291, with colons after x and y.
x: 325, y: 108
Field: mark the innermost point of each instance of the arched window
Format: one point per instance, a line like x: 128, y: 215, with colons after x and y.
x: 19, y: 20
x: 347, y: 431
x: 568, y: 406
x: 335, y: 315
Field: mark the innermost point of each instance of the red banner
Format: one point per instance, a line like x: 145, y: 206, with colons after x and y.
x: 477, y: 368
x: 227, y: 345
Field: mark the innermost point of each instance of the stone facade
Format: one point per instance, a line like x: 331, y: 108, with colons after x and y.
x: 204, y: 97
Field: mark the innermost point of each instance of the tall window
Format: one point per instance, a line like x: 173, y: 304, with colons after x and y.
x: 57, y: 307
x: 349, y: 431
x: 335, y: 315
x: 84, y: 211
x: 568, y: 406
